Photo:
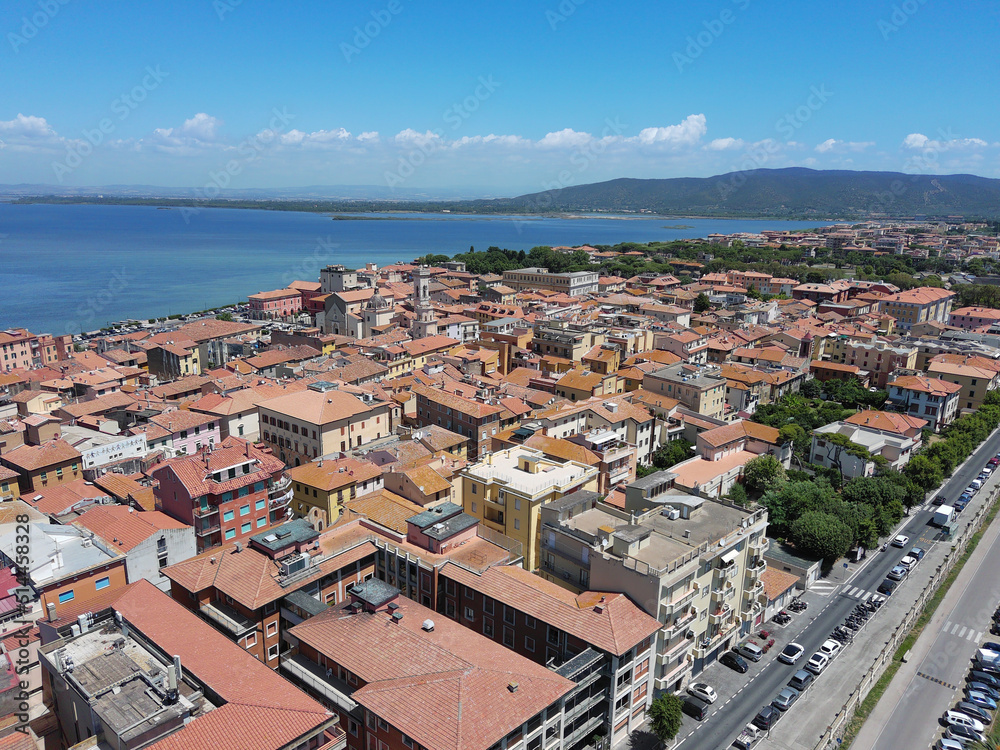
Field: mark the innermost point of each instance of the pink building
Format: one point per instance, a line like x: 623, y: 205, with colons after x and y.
x: 974, y: 318
x: 281, y: 303
x: 182, y: 432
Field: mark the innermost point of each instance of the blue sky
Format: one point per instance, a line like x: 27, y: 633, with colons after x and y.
x: 506, y: 98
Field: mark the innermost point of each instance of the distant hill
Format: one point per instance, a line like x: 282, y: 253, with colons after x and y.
x: 781, y: 193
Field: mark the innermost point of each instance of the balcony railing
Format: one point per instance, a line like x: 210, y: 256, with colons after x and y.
x: 678, y: 602
x: 759, y: 545
x: 719, y: 616
x: 206, y: 530
x: 228, y: 618
x: 678, y: 625
x: 753, y: 592
x: 206, y: 512
x: 282, y: 485
x: 313, y: 676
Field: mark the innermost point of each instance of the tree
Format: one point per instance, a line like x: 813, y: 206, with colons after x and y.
x: 702, y: 303
x: 763, y: 473
x: 228, y: 317
x: 665, y: 716
x: 672, y: 453
x: 925, y: 472
x: 737, y: 495
x: 822, y: 535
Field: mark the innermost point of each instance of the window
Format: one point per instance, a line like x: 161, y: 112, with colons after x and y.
x: 102, y: 583
x: 475, y: 490
x: 251, y: 640
x: 553, y: 635
x: 261, y: 522
x: 227, y: 496
x: 488, y: 628
x: 272, y: 652
x: 245, y: 528
x: 244, y: 491
x: 66, y: 596
x: 244, y: 510
x: 487, y: 605
x: 259, y: 505
x: 407, y: 741
x: 508, y: 637
x: 230, y: 533
x: 228, y: 515
x: 529, y: 644
x: 382, y: 724
x: 517, y: 503
x: 468, y: 592
x: 529, y: 622
x: 473, y: 504
x: 272, y: 628
x: 517, y: 523
x: 353, y: 727
x: 469, y: 613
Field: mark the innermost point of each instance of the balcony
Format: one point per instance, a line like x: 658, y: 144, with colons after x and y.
x: 680, y: 624
x: 752, y: 592
x: 719, y: 596
x: 280, y: 493
x: 207, y: 529
x: 206, y: 512
x: 756, y: 566
x: 719, y: 616
x: 759, y: 545
x: 678, y: 602
x: 313, y: 676
x: 729, y: 571
x: 228, y: 618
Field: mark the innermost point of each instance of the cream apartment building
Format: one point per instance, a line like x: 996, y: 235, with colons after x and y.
x: 699, y: 388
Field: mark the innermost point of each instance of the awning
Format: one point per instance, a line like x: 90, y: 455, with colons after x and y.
x: 730, y: 557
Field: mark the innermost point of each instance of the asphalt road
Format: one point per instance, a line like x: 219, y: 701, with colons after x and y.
x: 722, y: 727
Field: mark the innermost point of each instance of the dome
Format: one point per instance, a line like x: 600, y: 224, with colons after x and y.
x: 378, y: 302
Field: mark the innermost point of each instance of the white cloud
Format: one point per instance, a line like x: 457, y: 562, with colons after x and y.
x: 918, y: 141
x: 835, y: 146
x: 567, y: 137
x: 27, y: 128
x: 369, y: 136
x: 410, y: 137
x: 202, y: 126
x: 687, y: 133
x: 726, y: 144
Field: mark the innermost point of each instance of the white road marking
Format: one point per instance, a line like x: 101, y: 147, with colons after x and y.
x: 962, y: 634
x: 946, y: 626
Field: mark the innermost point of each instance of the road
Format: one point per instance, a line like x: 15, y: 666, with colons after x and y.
x: 719, y: 729
x: 932, y: 680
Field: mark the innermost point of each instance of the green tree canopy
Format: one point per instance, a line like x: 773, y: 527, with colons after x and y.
x: 665, y: 716
x: 822, y: 535
x: 763, y: 473
x: 702, y: 303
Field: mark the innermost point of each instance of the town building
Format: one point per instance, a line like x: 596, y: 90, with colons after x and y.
x: 40, y: 466
x: 320, y: 488
x: 477, y: 419
x: 932, y: 399
x: 573, y: 284
x: 919, y: 305
x: 505, y: 490
x: 700, y: 388
x: 976, y: 376
x: 226, y: 494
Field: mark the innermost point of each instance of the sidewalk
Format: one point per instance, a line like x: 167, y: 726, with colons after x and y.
x: 875, y: 724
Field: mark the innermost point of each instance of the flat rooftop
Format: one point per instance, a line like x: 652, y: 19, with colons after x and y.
x: 504, y: 467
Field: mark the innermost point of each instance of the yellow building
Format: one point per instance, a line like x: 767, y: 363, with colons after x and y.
x: 506, y: 490
x: 976, y: 375
x: 326, y: 485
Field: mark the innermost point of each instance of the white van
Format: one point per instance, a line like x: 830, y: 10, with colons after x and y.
x: 977, y: 485
x: 951, y: 718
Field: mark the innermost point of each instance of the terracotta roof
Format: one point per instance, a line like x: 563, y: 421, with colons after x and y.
x: 182, y: 419
x: 427, y: 480
x: 562, y: 449
x: 386, y: 509
x: 921, y: 295
x: 447, y: 689
x: 262, y: 710
x: 124, y: 487
x: 124, y: 528
x: 252, y: 578
x: 887, y: 421
x: 317, y: 407
x: 608, y: 621
x: 923, y: 384
x: 777, y: 582
x: 35, y: 457
x: 456, y: 402
x: 195, y: 471
x: 61, y: 498
x: 737, y: 430
x: 329, y: 475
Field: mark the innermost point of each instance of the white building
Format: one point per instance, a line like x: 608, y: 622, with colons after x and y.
x: 101, y: 448
x: 897, y: 449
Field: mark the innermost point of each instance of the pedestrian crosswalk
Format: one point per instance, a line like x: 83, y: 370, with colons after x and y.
x: 855, y: 593
x: 823, y: 588
x: 962, y: 631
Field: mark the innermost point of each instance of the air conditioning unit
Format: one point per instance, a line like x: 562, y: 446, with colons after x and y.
x: 672, y: 513
x: 294, y: 564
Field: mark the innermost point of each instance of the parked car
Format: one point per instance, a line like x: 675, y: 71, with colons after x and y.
x: 901, y: 540
x: 767, y: 717
x: 898, y: 573
x: 830, y: 648
x: 981, y: 675
x: 965, y: 735
x: 734, y: 662
x: 940, y: 500
x: 703, y: 691
x: 916, y: 552
x: 992, y: 646
x: 817, y: 663
x: 801, y: 680
x: 958, y: 718
x: 791, y: 653
x: 987, y: 666
x: 908, y: 562
x: 980, y: 699
x: 750, y: 651
x: 974, y: 711
x: 695, y: 708
x: 785, y: 698
x: 977, y: 484
x: 946, y: 744
x: 887, y: 587
x: 982, y: 687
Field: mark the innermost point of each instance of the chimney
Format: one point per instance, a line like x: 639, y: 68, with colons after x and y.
x: 50, y: 609
x: 177, y: 668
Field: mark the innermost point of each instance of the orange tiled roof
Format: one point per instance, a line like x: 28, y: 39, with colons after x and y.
x: 123, y: 527
x: 329, y: 475
x: 35, y: 457
x: 887, y: 421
